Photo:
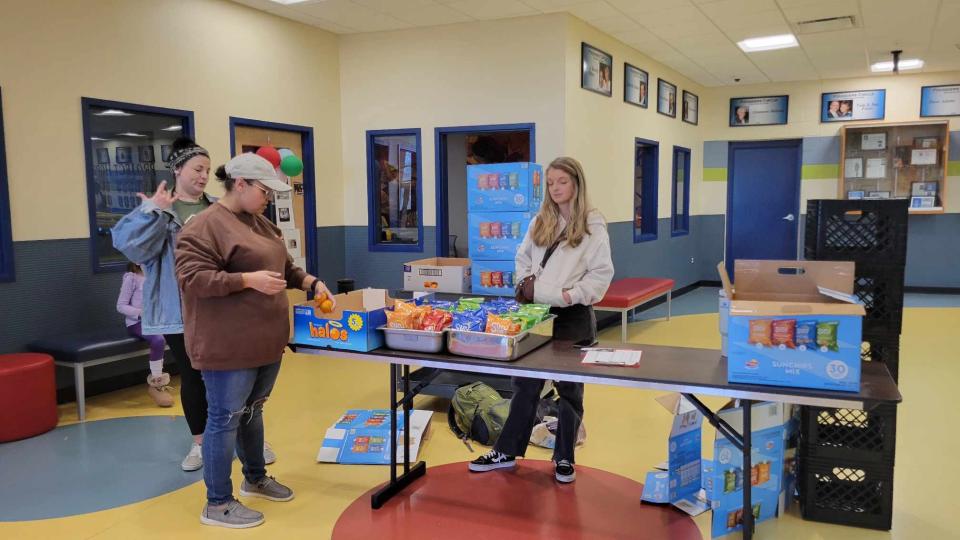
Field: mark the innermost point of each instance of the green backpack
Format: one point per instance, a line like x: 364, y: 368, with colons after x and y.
x: 477, y: 412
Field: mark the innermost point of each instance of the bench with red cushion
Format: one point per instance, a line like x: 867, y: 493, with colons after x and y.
x: 625, y: 295
x: 28, y: 395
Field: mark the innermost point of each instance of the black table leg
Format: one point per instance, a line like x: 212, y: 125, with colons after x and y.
x: 398, y: 483
x: 747, y: 470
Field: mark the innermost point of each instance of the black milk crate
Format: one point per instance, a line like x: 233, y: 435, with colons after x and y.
x: 859, y: 230
x: 884, y: 349
x: 880, y: 288
x: 862, y: 436
x: 847, y: 493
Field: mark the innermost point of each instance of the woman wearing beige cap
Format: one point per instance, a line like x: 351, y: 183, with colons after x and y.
x: 233, y: 269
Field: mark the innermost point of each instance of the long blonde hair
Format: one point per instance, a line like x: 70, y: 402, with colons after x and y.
x: 544, y: 230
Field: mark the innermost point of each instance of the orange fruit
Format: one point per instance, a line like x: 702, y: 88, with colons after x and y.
x: 326, y: 305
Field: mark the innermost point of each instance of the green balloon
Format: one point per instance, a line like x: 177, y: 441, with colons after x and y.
x: 291, y: 165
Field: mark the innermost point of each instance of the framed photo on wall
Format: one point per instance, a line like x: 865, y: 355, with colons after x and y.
x: 856, y: 105
x: 596, y: 70
x: 942, y: 100
x: 758, y: 111
x: 145, y: 154
x: 666, y: 98
x: 164, y: 153
x: 636, y: 83
x: 103, y: 156
x: 690, y: 112
x: 123, y: 154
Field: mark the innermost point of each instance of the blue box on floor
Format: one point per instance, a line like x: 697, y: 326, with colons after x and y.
x: 794, y: 323
x: 495, y: 236
x: 505, y: 187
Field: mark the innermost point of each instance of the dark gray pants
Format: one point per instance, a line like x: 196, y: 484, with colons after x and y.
x: 573, y: 324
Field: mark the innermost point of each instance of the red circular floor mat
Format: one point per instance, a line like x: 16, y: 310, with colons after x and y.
x: 451, y: 502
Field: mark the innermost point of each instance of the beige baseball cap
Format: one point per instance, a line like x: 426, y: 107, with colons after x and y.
x: 250, y: 166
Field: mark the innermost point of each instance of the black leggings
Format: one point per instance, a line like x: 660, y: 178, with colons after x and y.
x: 193, y: 393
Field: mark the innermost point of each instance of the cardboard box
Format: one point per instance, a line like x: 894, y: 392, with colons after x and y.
x: 437, y: 274
x: 725, y: 490
x: 486, y: 281
x: 363, y: 437
x: 351, y: 326
x: 683, y: 475
x: 495, y: 236
x: 505, y: 187
x: 794, y: 323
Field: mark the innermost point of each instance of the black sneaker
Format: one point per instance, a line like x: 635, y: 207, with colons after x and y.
x: 492, y: 460
x: 564, y: 472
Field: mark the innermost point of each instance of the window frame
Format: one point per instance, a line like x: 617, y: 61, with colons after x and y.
x: 649, y: 192
x: 7, y: 269
x: 373, y: 243
x: 680, y: 222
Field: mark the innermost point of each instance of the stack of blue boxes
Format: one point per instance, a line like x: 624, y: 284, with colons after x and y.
x: 501, y: 200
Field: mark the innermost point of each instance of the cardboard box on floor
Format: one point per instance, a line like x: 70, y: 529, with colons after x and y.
x: 771, y: 476
x: 351, y: 326
x: 681, y: 483
x: 772, y: 300
x: 437, y: 274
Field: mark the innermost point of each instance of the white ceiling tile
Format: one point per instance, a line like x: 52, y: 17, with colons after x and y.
x: 594, y: 11
x: 754, y: 22
x: 394, y: 6
x: 642, y: 6
x: 651, y: 18
x: 492, y: 9
x: 740, y: 34
x: 351, y: 15
x: 550, y: 6
x: 432, y: 16
x: 737, y: 9
x: 820, y: 9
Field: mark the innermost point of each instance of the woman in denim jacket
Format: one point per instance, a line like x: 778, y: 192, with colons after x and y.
x: 147, y: 236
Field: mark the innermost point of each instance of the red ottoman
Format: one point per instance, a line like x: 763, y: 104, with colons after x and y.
x: 28, y: 395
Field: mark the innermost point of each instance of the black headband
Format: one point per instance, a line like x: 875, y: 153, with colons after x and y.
x: 179, y: 157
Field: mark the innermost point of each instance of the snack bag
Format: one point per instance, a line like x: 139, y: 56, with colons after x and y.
x: 399, y: 319
x: 404, y: 307
x: 469, y: 321
x: 784, y: 333
x: 526, y: 321
x: 537, y: 310
x: 502, y: 326
x: 436, y: 320
x: 760, y: 332
x: 806, y: 334
x: 442, y: 305
x: 827, y: 336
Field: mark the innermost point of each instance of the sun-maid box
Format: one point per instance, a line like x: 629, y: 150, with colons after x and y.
x: 505, y: 187
x: 793, y: 323
x: 437, y: 274
x: 351, y: 326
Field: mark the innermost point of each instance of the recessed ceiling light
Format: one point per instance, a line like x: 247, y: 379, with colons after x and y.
x: 909, y: 63
x: 768, y: 43
x: 130, y: 134
x: 112, y: 112
x: 172, y: 128
x: 97, y: 139
x: 288, y: 2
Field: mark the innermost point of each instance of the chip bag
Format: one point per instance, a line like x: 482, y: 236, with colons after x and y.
x: 502, y: 325
x: 784, y: 333
x: 827, y: 336
x: 436, y: 320
x: 400, y: 319
x: 806, y: 334
x: 469, y: 321
x: 760, y: 332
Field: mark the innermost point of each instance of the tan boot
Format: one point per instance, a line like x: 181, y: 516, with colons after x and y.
x: 157, y: 387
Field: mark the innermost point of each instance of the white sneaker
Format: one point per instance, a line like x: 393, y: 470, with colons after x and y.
x: 268, y: 456
x: 194, y: 459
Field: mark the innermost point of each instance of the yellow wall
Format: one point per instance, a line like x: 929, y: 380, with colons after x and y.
x: 600, y: 130
x: 494, y: 72
x: 214, y: 57
x: 902, y: 105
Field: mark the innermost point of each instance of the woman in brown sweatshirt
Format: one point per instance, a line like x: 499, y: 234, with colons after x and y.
x: 233, y: 270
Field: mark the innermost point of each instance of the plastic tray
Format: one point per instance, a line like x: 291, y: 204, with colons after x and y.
x: 497, y: 347
x: 413, y: 340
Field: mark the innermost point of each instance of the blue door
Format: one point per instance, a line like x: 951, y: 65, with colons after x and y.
x: 763, y: 200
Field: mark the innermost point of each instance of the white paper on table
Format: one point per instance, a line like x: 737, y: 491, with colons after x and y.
x: 876, y: 167
x: 853, y: 168
x: 612, y: 357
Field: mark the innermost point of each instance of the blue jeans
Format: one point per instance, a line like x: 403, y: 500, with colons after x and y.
x: 234, y: 423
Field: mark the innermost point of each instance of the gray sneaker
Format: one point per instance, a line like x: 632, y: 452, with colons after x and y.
x: 194, y: 459
x: 266, y: 488
x: 269, y: 457
x: 232, y: 516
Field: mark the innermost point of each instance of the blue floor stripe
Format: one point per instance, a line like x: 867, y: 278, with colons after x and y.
x: 93, y: 466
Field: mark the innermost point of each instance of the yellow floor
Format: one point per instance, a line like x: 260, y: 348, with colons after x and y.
x: 626, y: 434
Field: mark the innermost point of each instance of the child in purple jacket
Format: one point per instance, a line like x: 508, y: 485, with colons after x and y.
x: 130, y: 304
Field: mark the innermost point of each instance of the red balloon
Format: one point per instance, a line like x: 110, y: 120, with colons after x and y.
x: 270, y: 154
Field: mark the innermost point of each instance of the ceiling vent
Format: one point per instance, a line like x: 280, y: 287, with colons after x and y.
x: 831, y: 24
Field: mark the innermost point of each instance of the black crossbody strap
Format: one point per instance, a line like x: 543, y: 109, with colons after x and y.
x: 551, y: 249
